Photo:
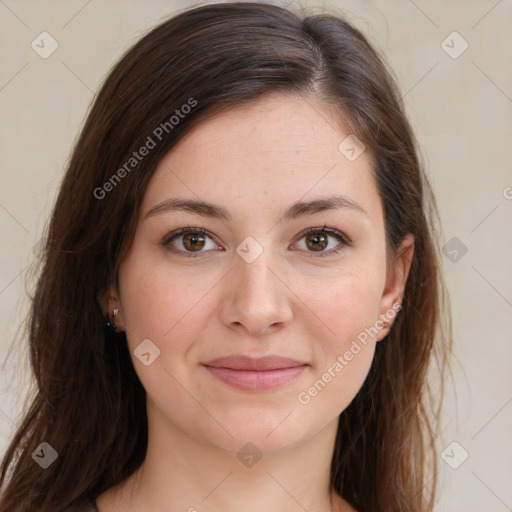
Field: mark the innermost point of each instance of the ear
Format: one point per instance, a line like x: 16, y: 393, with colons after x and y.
x: 393, y: 293
x: 109, y: 302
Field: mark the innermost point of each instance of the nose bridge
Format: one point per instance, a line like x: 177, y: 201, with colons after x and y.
x: 256, y: 283
x: 256, y: 279
x: 257, y: 297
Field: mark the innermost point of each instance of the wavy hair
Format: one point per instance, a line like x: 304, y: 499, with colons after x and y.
x: 87, y: 401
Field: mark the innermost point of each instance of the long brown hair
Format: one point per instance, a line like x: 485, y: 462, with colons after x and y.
x: 87, y: 401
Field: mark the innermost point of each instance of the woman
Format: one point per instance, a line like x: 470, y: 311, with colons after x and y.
x: 240, y: 294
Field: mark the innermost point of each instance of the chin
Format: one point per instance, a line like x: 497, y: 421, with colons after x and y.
x: 254, y: 441
x: 269, y: 432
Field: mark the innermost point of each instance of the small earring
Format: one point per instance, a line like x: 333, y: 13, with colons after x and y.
x: 110, y: 323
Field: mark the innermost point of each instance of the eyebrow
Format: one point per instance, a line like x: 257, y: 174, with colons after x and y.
x: 296, y: 210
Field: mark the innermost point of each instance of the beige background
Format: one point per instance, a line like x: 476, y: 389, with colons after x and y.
x: 461, y: 109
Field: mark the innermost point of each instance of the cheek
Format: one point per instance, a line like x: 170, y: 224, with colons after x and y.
x: 160, y: 303
x: 346, y: 303
x: 348, y: 308
x: 164, y: 306
x: 336, y: 385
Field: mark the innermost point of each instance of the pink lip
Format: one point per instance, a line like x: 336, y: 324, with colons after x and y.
x: 255, y: 374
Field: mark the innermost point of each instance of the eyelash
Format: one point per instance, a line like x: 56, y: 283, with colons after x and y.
x: 344, y: 241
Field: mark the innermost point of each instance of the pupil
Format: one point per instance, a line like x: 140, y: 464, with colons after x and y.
x: 316, y: 237
x: 193, y: 239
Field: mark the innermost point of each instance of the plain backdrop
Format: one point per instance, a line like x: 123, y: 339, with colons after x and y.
x: 458, y: 92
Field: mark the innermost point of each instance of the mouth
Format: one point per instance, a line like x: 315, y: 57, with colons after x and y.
x: 255, y: 374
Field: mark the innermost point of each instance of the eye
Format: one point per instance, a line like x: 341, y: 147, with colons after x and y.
x: 192, y: 240
x: 189, y: 240
x: 317, y: 239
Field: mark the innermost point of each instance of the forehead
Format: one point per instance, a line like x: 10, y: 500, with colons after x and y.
x: 274, y: 127
x: 282, y: 147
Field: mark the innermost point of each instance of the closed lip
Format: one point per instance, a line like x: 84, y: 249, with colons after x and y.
x: 265, y: 363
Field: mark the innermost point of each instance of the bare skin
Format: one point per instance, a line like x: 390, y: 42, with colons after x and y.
x: 199, y: 299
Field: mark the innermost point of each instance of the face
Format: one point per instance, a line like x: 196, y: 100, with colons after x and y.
x: 287, y: 259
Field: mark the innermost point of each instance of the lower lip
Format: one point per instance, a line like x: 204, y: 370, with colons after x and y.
x: 251, y: 380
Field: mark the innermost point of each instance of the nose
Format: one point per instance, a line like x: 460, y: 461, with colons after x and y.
x: 256, y: 299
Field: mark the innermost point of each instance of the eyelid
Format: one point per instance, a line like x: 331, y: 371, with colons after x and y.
x: 328, y: 231
x: 343, y: 240
x: 166, y: 242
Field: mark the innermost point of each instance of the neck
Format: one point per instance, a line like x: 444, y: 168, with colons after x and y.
x: 181, y: 473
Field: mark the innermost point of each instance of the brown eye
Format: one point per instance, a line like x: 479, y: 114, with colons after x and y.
x: 317, y: 241
x: 193, y: 241
x: 189, y: 242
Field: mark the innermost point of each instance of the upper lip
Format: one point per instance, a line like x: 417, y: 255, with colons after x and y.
x: 241, y: 362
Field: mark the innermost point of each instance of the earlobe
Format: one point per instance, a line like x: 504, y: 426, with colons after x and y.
x: 111, y: 307
x: 391, y: 302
